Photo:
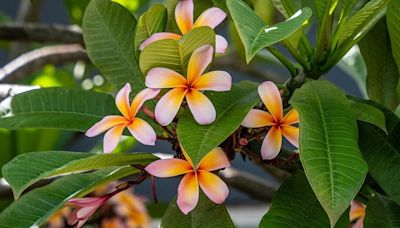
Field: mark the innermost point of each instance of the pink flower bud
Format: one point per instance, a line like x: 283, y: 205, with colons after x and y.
x: 85, y: 208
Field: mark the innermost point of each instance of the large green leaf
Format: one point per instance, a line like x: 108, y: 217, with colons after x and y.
x: 206, y: 214
x: 253, y: 32
x: 231, y: 109
x: 361, y: 22
x: 20, y: 173
x: 393, y: 21
x: 175, y: 54
x: 382, y: 153
x: 59, y: 108
x: 382, y: 212
x: 321, y: 7
x: 34, y: 208
x: 152, y: 21
x: 290, y: 210
x: 328, y: 146
x: 108, y: 32
x: 383, y: 75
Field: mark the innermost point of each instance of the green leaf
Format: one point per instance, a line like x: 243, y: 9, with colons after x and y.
x: 175, y: 54
x: 393, y: 21
x: 108, y: 32
x: 290, y: 210
x: 321, y: 6
x: 231, y: 109
x: 382, y: 212
x: 60, y: 108
x: 368, y: 113
x: 206, y: 214
x: 255, y: 34
x: 360, y: 23
x: 383, y: 75
x: 20, y: 174
x: 382, y: 153
x: 35, y: 207
x: 328, y: 146
x: 152, y: 21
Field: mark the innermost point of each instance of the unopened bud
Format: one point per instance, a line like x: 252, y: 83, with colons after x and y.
x: 243, y: 141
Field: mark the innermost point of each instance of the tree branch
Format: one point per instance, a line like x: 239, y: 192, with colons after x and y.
x: 26, y: 64
x: 249, y: 184
x: 41, y: 33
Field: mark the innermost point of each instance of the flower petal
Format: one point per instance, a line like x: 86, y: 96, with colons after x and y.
x: 257, y: 118
x: 143, y: 132
x: 199, y: 62
x: 105, y: 124
x: 162, y: 78
x: 292, y: 117
x: 85, y: 212
x: 215, y: 81
x: 211, y: 18
x: 159, y: 36
x: 111, y: 138
x: 188, y: 193
x: 272, y: 143
x: 271, y: 97
x: 169, y: 167
x: 214, y: 160
x: 122, y: 100
x: 87, y: 201
x: 187, y: 157
x: 291, y: 134
x: 220, y: 44
x: 184, y: 15
x: 168, y: 106
x: 142, y: 97
x: 201, y: 107
x: 215, y: 189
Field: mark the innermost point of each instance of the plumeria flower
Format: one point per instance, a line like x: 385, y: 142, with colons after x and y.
x: 115, y: 125
x: 184, y: 18
x: 188, y: 190
x: 200, y: 106
x: 278, y: 123
x: 85, y: 208
x: 357, y: 214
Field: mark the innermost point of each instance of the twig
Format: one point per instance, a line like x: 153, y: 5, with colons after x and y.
x: 41, y: 33
x: 26, y: 64
x: 249, y: 184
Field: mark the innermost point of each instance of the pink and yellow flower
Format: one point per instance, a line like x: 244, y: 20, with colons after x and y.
x: 86, y: 207
x: 200, y: 106
x: 357, y: 214
x: 184, y: 18
x: 115, y: 125
x: 188, y: 190
x: 279, y: 124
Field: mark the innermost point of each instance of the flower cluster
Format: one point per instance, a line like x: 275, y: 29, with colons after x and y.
x: 190, y: 88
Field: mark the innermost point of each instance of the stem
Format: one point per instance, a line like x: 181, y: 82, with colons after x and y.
x: 324, y: 35
x: 296, y: 54
x: 286, y: 62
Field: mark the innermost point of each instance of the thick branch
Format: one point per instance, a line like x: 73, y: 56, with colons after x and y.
x: 26, y: 64
x: 41, y: 33
x: 249, y: 184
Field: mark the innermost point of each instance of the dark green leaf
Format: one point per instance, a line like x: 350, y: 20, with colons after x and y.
x: 255, y: 34
x: 368, y: 113
x: 383, y: 75
x: 295, y: 205
x: 231, y: 109
x: 382, y: 212
x: 382, y: 154
x: 34, y: 208
x: 108, y: 32
x: 59, y: 108
x: 20, y: 174
x: 206, y: 214
x: 152, y: 21
x: 328, y: 146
